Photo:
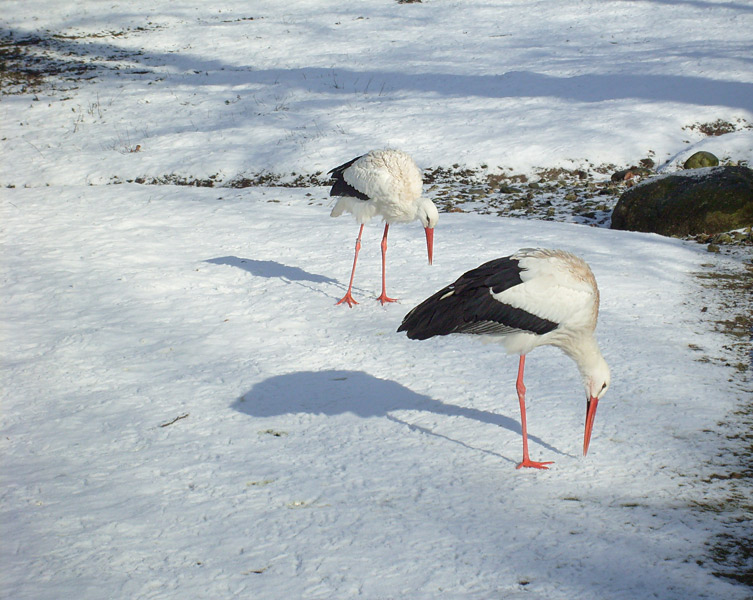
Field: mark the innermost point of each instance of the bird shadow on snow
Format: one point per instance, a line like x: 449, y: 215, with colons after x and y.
x: 273, y: 269
x: 337, y: 392
x: 270, y: 268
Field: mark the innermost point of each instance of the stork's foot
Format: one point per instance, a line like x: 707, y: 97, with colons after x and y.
x: 347, y: 298
x: 384, y: 299
x: 527, y: 462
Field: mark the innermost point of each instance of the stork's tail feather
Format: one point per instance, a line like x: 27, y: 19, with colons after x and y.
x: 426, y: 320
x: 341, y: 188
x: 337, y: 172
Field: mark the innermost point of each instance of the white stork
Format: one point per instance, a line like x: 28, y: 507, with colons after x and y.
x: 385, y: 183
x: 532, y: 298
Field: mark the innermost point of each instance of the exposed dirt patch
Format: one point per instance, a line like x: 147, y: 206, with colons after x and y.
x: 51, y: 61
x: 728, y: 290
x: 719, y: 127
x: 294, y: 180
x: 549, y: 195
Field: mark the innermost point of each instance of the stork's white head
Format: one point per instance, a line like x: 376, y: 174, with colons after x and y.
x: 428, y: 214
x: 596, y: 378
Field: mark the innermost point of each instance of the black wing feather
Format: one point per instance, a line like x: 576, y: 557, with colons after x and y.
x: 341, y: 187
x: 467, y: 306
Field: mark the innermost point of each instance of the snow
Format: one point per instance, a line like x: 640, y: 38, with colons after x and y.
x: 185, y: 413
x: 299, y: 87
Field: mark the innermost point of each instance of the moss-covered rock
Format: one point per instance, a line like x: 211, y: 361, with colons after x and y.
x: 708, y: 200
x: 700, y: 160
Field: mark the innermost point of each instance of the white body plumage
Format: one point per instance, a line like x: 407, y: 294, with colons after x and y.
x: 548, y: 274
x: 392, y: 184
x: 559, y: 287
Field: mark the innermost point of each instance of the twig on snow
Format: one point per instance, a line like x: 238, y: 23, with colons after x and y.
x: 178, y: 418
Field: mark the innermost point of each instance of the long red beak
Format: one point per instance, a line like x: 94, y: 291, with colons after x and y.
x: 590, y: 416
x: 430, y: 242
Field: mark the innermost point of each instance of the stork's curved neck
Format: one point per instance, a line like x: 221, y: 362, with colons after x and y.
x: 586, y: 353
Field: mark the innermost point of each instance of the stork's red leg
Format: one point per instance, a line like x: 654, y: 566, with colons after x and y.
x: 527, y: 462
x: 348, y: 297
x: 383, y: 298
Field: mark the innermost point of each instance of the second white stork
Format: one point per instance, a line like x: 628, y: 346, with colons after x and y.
x: 386, y: 183
x: 531, y: 298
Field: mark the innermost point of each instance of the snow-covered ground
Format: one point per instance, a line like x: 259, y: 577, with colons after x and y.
x: 296, y: 86
x: 185, y: 413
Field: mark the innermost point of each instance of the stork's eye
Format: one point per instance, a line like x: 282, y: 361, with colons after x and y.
x: 603, y: 386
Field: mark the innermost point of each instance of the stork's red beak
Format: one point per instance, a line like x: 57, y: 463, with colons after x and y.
x: 590, y: 416
x: 430, y: 242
